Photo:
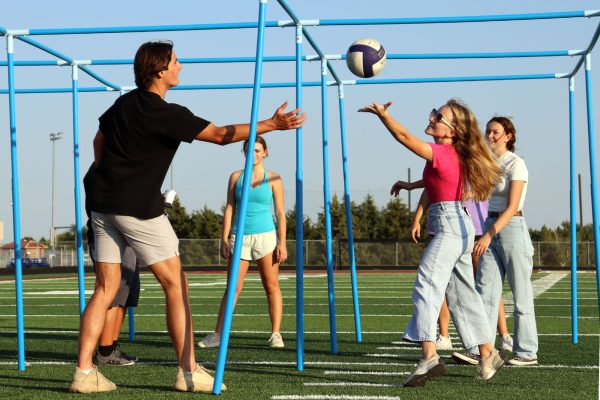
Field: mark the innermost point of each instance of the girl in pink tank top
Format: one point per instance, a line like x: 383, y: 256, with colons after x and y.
x: 458, y: 165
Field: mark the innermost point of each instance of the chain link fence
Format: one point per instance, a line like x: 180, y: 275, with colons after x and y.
x: 389, y: 254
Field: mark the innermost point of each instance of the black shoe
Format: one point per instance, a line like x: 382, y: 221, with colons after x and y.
x: 114, y: 358
x: 125, y: 355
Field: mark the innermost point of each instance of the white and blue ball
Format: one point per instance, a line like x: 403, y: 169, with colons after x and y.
x: 365, y: 58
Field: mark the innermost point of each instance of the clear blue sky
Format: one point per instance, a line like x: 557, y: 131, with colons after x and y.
x: 539, y: 108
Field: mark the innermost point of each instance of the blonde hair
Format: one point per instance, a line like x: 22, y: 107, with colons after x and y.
x: 480, y: 170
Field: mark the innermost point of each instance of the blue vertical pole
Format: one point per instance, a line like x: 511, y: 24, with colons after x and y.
x: 131, y: 315
x: 242, y: 205
x: 573, y: 200
x: 594, y: 184
x: 299, y: 214
x: 77, y: 190
x: 16, y: 204
x: 347, y: 205
x: 327, y: 210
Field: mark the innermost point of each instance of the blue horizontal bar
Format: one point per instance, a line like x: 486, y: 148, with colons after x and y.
x: 400, y: 56
x: 314, y: 83
x: 150, y: 28
x: 557, y: 53
x: 326, y: 22
x: 455, y: 79
x: 58, y: 90
x: 446, y: 20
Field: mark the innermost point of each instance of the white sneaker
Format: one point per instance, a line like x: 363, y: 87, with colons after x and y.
x: 443, y: 343
x: 199, y: 380
x: 506, y: 342
x: 488, y: 367
x: 211, y: 340
x: 426, y: 369
x: 276, y: 341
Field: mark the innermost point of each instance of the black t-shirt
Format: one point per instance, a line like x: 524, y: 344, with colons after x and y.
x: 142, y: 133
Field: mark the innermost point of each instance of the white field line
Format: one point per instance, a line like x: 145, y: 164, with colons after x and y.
x: 376, y: 373
x: 355, y: 384
x: 331, y: 397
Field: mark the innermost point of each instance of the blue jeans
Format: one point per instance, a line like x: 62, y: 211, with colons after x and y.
x: 446, y: 267
x: 510, y: 254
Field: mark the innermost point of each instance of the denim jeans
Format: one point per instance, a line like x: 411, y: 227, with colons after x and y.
x: 510, y: 254
x: 446, y: 267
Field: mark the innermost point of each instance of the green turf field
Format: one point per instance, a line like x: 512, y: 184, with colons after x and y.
x: 373, y: 369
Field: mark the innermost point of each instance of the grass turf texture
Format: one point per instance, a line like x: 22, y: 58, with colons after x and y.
x: 254, y: 371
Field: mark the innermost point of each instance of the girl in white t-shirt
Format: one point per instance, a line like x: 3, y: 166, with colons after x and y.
x: 505, y: 247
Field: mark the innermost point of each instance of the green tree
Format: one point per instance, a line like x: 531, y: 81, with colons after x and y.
x: 206, y: 224
x: 397, y: 221
x: 180, y: 221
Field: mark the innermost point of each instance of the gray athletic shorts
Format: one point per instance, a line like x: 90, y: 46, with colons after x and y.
x: 129, y: 289
x: 152, y: 240
x: 256, y: 246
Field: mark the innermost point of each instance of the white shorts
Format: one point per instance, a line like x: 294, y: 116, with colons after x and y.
x: 256, y: 246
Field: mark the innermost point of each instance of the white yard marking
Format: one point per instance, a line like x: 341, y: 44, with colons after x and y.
x: 377, y: 373
x: 331, y: 397
x: 345, y: 384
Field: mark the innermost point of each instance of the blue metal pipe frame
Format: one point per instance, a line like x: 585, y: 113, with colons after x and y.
x: 593, y: 178
x: 242, y: 206
x: 327, y: 211
x: 348, y: 207
x: 299, y: 214
x: 77, y: 192
x: 16, y: 205
x: 11, y: 91
x: 573, y: 212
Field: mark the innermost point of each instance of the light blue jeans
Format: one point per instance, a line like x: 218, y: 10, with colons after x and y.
x: 446, y: 267
x: 510, y: 254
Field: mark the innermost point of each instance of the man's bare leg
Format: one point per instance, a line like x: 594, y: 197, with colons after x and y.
x: 108, y: 279
x: 179, y: 317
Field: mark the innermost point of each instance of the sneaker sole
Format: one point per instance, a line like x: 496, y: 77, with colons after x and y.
x: 203, y: 346
x: 460, y: 359
x: 420, y: 380
x: 521, y: 364
x: 116, y: 364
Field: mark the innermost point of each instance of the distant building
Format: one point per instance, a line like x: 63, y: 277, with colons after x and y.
x: 29, y: 248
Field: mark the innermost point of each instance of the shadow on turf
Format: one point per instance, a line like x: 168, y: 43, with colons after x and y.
x: 22, y: 385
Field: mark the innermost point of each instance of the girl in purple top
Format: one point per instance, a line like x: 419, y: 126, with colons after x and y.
x: 458, y: 165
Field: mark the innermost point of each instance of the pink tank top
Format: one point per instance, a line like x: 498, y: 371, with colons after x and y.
x: 442, y: 176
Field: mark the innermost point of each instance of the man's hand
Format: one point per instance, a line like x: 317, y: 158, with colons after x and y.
x: 283, y: 120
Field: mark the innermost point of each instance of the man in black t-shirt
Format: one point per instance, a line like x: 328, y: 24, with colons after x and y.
x: 133, y: 148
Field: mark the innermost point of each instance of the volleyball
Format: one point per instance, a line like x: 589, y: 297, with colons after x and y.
x: 365, y: 58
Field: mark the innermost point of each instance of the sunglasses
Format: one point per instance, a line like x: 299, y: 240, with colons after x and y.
x: 436, y: 116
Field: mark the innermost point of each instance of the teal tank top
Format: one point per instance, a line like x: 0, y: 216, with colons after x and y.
x: 259, y: 216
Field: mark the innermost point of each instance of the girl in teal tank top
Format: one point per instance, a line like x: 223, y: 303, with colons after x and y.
x: 262, y: 242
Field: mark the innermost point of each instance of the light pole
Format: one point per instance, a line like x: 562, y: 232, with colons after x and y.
x: 53, y: 138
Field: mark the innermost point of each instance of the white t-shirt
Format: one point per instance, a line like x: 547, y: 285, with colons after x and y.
x: 514, y: 169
